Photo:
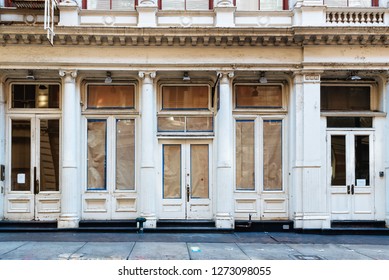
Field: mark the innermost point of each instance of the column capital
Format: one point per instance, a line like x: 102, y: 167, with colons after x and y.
x: 147, y: 76
x: 307, y: 76
x: 225, y: 76
x: 69, y: 76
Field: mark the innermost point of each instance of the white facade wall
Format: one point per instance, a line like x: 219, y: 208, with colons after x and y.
x: 299, y: 49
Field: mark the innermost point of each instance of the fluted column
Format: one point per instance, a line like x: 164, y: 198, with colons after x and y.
x: 148, y: 134
x: 309, y: 191
x: 70, y: 195
x: 2, y: 144
x: 224, y: 156
x: 386, y: 149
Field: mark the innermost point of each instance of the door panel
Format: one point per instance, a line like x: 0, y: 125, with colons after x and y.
x: 185, y: 180
x: 351, y: 169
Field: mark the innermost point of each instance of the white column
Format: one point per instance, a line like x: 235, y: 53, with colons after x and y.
x: 386, y: 137
x: 70, y: 195
x: 147, y: 13
x: 2, y: 144
x: 309, y: 199
x: 224, y: 155
x: 148, y: 135
x: 225, y: 13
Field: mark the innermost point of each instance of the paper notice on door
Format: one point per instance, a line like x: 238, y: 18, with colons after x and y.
x: 21, y: 179
x: 361, y: 182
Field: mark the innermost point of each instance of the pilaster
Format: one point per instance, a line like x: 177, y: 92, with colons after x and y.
x: 224, y: 171
x: 147, y: 13
x: 2, y: 144
x: 225, y: 13
x: 69, y: 13
x: 309, y: 193
x: 70, y: 196
x: 147, y: 167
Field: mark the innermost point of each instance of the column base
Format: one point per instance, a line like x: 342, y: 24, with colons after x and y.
x: 151, y: 221
x: 68, y: 221
x: 225, y: 221
x: 312, y: 222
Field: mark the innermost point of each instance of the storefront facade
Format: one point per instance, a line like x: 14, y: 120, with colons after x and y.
x: 274, y: 115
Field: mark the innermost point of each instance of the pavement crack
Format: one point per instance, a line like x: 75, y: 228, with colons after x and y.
x: 348, y: 248
x: 132, y: 249
x: 72, y: 254
x: 14, y: 249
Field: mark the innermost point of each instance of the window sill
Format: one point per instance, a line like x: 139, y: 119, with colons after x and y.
x: 352, y: 114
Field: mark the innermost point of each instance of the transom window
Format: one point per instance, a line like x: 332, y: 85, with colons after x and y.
x: 110, y: 96
x: 258, y: 96
x: 35, y: 96
x: 185, y: 109
x: 345, y: 98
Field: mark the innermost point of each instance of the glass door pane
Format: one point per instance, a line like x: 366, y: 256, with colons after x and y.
x: 21, y: 155
x: 338, y: 160
x: 125, y: 154
x: 199, y: 162
x: 172, y: 171
x: 362, y: 160
x: 49, y: 155
x: 97, y: 157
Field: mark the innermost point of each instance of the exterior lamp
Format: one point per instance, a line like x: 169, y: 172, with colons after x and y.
x: 262, y: 78
x: 186, y: 76
x: 108, y: 79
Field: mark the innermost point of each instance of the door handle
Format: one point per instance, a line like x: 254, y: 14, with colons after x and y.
x: 36, y: 182
x: 348, y: 189
x: 187, y: 193
x: 352, y: 189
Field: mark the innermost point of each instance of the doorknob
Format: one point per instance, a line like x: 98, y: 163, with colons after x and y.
x: 348, y: 189
x: 187, y: 193
x: 352, y: 189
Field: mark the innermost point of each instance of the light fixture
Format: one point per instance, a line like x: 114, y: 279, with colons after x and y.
x: 42, y: 87
x: 354, y: 76
x: 262, y: 78
x: 108, y: 79
x: 30, y: 75
x: 186, y: 76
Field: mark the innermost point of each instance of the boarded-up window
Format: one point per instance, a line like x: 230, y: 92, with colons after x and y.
x: 245, y: 174
x: 97, y: 158
x: 272, y: 155
x: 345, y: 98
x: 200, y: 171
x: 111, y: 96
x: 171, y: 171
x: 125, y: 154
x: 258, y: 96
x: 185, y: 97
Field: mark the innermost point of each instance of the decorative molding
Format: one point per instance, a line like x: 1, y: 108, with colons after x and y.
x: 69, y: 76
x: 224, y: 3
x: 312, y: 77
x: 147, y: 77
x: 226, y: 76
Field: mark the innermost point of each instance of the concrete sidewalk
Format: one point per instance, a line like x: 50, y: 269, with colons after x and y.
x: 234, y: 246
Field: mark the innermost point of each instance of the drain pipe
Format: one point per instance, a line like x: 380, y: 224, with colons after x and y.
x: 249, y: 223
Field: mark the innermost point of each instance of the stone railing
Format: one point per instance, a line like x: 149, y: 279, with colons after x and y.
x: 355, y: 16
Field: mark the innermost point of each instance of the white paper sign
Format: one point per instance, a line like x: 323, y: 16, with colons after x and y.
x: 361, y: 182
x: 21, y: 178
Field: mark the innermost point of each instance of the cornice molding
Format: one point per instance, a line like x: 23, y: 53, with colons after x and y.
x: 122, y: 36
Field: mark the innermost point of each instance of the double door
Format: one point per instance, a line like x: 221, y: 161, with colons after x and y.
x: 351, y: 174
x: 33, y: 177
x: 186, y: 180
